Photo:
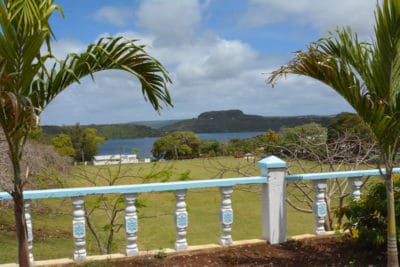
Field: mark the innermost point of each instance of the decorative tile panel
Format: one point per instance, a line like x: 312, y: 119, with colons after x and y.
x: 181, y: 220
x: 79, y: 230
x: 320, y: 209
x: 227, y: 216
x: 131, y: 225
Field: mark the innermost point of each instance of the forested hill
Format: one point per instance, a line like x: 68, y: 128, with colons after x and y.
x: 112, y: 131
x: 237, y: 121
x: 207, y: 122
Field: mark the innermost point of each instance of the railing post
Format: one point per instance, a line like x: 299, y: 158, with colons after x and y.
x: 355, y: 184
x: 181, y: 220
x: 319, y: 206
x: 28, y: 218
x: 131, y: 225
x: 78, y: 225
x: 226, y: 216
x: 274, y: 199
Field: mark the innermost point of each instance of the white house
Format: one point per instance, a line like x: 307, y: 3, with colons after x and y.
x: 115, y: 159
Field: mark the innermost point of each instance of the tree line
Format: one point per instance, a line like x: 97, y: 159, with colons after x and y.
x: 345, y: 132
x: 110, y: 131
x: 82, y: 144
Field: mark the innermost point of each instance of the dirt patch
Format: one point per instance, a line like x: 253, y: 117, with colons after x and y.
x: 319, y: 251
x: 39, y: 233
x: 44, y: 234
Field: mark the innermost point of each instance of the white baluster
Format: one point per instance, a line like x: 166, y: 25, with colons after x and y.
x: 226, y: 216
x: 131, y: 225
x: 319, y: 206
x: 181, y: 220
x: 27, y: 206
x: 355, y: 184
x: 78, y: 224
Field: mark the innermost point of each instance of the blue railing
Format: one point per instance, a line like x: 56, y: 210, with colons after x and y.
x: 273, y: 181
x: 137, y: 188
x: 335, y: 175
x: 319, y: 180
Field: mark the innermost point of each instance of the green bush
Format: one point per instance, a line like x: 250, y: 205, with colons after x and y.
x: 367, y: 216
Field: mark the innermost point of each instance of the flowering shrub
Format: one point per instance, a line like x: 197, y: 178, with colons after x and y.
x: 367, y: 216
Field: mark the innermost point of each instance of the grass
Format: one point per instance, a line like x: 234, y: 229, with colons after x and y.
x: 52, y: 219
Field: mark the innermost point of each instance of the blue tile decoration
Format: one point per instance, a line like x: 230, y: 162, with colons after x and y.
x: 227, y: 217
x: 79, y: 229
x: 181, y: 220
x: 320, y: 209
x: 131, y: 225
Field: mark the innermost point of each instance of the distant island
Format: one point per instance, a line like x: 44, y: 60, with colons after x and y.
x: 207, y: 122
x: 236, y: 121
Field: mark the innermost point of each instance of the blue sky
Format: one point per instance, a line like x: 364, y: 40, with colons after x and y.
x: 217, y: 53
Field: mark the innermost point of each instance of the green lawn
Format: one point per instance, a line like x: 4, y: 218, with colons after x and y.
x: 52, y: 219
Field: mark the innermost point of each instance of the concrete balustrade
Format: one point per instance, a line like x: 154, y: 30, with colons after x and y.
x: 355, y: 184
x: 226, y: 216
x: 273, y: 180
x: 79, y: 228
x: 319, y: 206
x: 131, y: 225
x: 181, y: 220
x: 27, y: 207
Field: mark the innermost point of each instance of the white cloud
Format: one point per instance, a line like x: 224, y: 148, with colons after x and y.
x: 60, y: 48
x: 321, y: 14
x: 299, y: 95
x: 118, y: 16
x: 173, y: 22
x: 213, y: 75
x: 210, y: 68
x: 209, y: 72
x: 213, y: 61
x: 114, y: 96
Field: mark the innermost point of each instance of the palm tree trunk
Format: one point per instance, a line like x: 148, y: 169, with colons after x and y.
x: 19, y: 214
x: 392, y: 254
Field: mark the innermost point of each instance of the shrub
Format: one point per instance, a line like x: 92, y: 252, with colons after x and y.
x: 367, y: 216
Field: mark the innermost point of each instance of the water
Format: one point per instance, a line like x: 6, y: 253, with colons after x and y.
x: 126, y: 146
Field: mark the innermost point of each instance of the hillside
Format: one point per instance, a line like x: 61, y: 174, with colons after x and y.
x: 237, y: 121
x: 207, y: 122
x: 112, y: 131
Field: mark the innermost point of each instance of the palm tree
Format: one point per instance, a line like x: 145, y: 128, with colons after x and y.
x: 28, y: 84
x: 367, y: 76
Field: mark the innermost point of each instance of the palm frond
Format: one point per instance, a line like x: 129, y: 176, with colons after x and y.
x: 325, y: 61
x: 385, y: 63
x: 366, y: 75
x: 107, y: 54
x: 24, y: 31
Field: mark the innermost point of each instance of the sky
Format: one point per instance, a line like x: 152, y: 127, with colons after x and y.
x: 218, y: 54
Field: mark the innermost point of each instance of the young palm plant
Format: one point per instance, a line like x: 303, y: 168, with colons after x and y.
x: 28, y: 85
x: 367, y: 76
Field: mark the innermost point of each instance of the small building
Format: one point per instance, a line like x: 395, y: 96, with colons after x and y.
x: 115, y: 159
x: 249, y: 156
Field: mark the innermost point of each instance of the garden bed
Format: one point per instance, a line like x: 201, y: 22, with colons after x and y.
x: 316, y: 251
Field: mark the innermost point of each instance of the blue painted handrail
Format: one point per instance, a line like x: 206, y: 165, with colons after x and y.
x: 171, y: 186
x: 334, y: 175
x: 137, y: 188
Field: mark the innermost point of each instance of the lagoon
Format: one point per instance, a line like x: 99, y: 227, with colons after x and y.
x: 144, y: 145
